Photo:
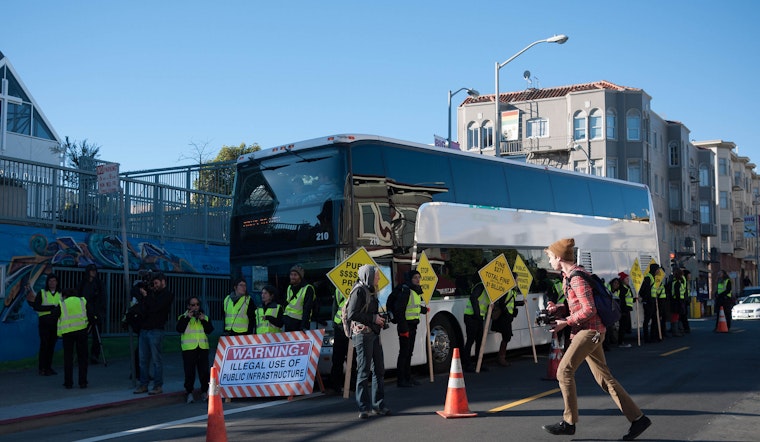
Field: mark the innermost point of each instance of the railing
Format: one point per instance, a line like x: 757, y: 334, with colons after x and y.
x: 191, y: 203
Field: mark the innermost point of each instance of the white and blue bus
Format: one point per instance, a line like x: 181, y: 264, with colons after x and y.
x: 315, y: 202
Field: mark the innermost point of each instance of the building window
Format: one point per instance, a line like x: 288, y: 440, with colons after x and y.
x: 738, y: 179
x: 611, y: 129
x: 538, y: 128
x: 634, y: 171
x: 704, y: 176
x: 705, y: 217
x: 724, y: 233
x: 723, y: 199
x: 612, y: 168
x: 579, y: 126
x: 722, y: 167
x: 674, y: 196
x: 656, y: 185
x: 20, y: 118
x: 675, y: 153
x: 40, y: 129
x: 487, y: 134
x: 595, y: 125
x: 473, y: 136
x: 633, y: 125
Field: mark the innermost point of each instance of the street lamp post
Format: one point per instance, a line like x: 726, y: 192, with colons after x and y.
x: 497, y: 126
x: 588, y: 156
x: 471, y: 92
x: 755, y: 203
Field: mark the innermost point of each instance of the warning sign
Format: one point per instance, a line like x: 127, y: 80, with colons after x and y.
x: 345, y: 274
x: 497, y: 277
x: 523, y: 275
x: 636, y: 276
x: 428, y: 278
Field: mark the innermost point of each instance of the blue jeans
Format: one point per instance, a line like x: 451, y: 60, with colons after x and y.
x: 150, y: 353
x: 369, y: 357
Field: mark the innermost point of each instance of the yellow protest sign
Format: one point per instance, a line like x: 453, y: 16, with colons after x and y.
x: 345, y: 274
x: 636, y: 276
x: 497, y: 277
x: 428, y: 278
x: 523, y: 275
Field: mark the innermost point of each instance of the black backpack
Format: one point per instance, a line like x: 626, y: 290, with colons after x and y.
x: 390, y: 303
x: 607, y: 307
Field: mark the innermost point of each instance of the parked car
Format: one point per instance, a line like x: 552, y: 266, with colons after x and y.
x: 749, y: 308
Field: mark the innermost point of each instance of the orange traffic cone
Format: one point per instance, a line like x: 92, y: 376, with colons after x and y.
x: 456, y: 398
x: 215, y: 430
x: 554, y: 357
x: 722, y: 325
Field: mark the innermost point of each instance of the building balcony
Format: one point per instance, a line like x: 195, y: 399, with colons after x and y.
x: 708, y: 230
x: 680, y: 217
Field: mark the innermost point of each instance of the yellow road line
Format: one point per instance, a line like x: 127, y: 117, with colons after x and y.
x: 675, y: 351
x: 523, y: 401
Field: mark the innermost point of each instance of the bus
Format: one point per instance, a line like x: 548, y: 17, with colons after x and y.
x: 315, y: 202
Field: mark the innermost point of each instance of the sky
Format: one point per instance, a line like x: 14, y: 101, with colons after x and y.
x: 149, y: 80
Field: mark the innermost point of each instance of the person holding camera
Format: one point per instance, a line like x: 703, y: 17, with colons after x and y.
x: 154, y: 307
x: 239, y: 311
x: 366, y: 323
x: 408, y: 309
x: 92, y: 289
x: 585, y: 345
x: 194, y: 327
x: 269, y: 315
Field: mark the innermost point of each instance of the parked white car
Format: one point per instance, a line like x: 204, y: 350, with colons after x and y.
x: 749, y: 308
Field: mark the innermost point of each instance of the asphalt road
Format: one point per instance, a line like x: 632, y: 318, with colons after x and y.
x: 703, y: 386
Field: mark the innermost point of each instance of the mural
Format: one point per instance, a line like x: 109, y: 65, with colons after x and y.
x: 30, y: 255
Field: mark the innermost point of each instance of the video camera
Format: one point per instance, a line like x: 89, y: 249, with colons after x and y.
x: 543, y: 317
x: 387, y: 317
x: 145, y: 280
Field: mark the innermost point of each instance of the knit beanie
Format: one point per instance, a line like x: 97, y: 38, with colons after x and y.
x: 564, y: 249
x: 298, y: 269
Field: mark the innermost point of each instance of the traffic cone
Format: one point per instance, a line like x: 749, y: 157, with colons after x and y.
x: 215, y: 430
x: 554, y: 357
x: 722, y: 326
x: 456, y: 398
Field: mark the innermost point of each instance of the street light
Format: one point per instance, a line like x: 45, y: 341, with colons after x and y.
x: 588, y: 157
x: 755, y: 203
x: 471, y: 92
x: 497, y: 129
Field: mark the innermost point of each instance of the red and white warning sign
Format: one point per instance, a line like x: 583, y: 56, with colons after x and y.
x: 272, y: 364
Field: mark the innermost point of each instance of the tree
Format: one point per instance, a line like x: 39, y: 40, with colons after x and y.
x: 217, y: 177
x: 78, y: 155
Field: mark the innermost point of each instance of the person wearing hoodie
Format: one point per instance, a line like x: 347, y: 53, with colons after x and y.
x: 366, y: 325
x: 299, y: 300
x: 407, y: 312
x: 239, y: 310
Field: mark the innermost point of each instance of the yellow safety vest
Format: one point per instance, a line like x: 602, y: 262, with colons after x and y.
x: 49, y: 299
x: 262, y: 323
x: 413, y: 306
x: 628, y: 296
x: 341, y: 300
x: 483, y: 302
x: 560, y: 291
x: 294, y: 308
x: 193, y: 336
x: 722, y: 286
x: 236, y: 314
x: 73, y: 315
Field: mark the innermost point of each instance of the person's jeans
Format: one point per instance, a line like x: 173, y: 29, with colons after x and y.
x: 150, y: 353
x: 369, y: 357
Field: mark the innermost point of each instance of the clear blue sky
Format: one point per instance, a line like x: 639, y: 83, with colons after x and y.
x: 144, y: 79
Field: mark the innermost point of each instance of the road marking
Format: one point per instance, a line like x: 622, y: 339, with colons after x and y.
x: 188, y: 420
x: 523, y: 401
x: 675, y: 351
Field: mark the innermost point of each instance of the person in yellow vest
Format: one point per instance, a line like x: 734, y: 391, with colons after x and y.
x: 299, y: 300
x: 72, y: 328
x: 407, y: 311
x: 194, y: 327
x: 474, y: 320
x: 340, y: 346
x: 504, y: 311
x: 648, y: 297
x: 677, y: 295
x: 724, y: 298
x: 45, y: 304
x: 622, y: 292
x: 269, y: 315
x: 239, y: 311
x: 683, y: 315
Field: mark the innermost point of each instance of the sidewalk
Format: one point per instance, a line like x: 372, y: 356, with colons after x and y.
x: 27, y: 395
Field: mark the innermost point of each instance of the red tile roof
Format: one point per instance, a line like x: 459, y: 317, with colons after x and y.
x: 555, y: 92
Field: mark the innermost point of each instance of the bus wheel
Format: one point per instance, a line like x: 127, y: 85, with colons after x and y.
x: 442, y: 342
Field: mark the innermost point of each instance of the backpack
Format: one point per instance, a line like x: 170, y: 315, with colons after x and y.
x: 390, y: 303
x: 607, y: 307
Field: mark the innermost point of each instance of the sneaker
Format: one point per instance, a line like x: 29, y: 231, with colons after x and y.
x: 624, y: 345
x: 637, y: 427
x: 190, y: 398
x: 363, y: 415
x: 141, y: 389
x: 560, y: 428
x: 156, y: 390
x: 381, y: 411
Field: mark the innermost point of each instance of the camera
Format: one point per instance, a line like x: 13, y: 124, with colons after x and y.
x: 387, y: 317
x: 543, y: 317
x: 196, y: 313
x: 145, y: 280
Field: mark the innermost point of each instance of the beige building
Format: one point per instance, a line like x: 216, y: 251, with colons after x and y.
x: 609, y: 130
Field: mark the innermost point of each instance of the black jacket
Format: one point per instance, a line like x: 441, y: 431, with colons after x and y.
x: 154, y: 309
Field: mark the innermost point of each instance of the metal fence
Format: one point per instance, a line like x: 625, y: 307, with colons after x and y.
x: 191, y: 203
